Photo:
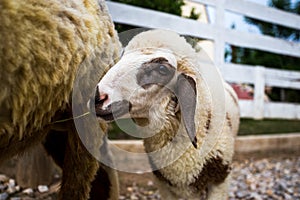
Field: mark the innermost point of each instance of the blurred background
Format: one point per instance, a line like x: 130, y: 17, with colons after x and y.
x: 256, y: 46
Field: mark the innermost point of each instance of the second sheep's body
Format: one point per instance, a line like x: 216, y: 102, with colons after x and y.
x: 177, y: 97
x: 44, y: 45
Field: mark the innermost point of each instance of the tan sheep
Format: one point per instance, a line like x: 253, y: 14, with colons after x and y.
x: 180, y: 102
x: 42, y: 46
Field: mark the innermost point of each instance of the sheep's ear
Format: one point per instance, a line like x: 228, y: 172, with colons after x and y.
x: 187, y: 97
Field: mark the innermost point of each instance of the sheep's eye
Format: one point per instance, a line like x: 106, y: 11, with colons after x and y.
x: 163, y: 70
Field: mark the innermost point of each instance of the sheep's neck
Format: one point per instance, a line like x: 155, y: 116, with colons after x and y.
x: 170, y: 128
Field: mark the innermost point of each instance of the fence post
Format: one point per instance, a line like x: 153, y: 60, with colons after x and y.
x: 219, y: 41
x: 259, y: 92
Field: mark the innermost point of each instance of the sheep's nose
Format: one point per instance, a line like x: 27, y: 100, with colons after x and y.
x: 100, y: 98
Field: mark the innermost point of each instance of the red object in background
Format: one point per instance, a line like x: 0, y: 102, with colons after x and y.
x: 243, y: 92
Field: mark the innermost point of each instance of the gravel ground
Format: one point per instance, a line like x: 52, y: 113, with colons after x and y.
x: 260, y: 179
x: 266, y: 179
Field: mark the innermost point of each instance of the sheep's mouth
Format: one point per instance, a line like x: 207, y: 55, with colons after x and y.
x: 114, y: 110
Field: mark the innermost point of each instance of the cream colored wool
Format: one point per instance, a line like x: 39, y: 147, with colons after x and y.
x: 42, y: 46
x: 182, y: 172
x: 186, y: 172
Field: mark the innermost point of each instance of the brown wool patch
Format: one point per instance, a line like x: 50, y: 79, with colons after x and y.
x: 208, y: 121
x: 213, y: 172
x: 228, y: 120
x: 158, y: 60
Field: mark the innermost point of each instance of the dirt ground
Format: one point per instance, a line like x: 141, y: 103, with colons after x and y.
x: 132, y: 186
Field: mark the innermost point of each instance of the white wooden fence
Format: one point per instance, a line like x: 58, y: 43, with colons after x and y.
x: 220, y: 35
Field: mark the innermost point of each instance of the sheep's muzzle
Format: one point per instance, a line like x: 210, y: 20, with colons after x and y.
x: 113, y: 111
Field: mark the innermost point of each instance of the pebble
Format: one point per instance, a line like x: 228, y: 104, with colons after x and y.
x: 15, y: 198
x: 150, y: 183
x: 255, y: 195
x: 3, y: 187
x: 11, y: 183
x: 3, y: 196
x: 43, y: 188
x: 28, y: 191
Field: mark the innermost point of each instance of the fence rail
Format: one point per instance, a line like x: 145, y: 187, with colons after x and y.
x: 220, y: 35
x: 256, y: 11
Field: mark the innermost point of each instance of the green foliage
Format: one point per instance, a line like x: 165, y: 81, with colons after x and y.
x: 194, y: 15
x: 115, y: 132
x: 268, y: 126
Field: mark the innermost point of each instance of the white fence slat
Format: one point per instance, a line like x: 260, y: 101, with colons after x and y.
x: 283, y: 78
x: 264, y: 13
x: 273, y: 77
x: 257, y: 11
x: 238, y: 73
x: 206, y: 2
x: 246, y: 108
x: 262, y: 42
x: 278, y: 110
x: 273, y: 110
x: 259, y: 92
x: 289, y: 74
x: 281, y: 83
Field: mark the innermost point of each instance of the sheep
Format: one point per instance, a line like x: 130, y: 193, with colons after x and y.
x: 44, y: 45
x: 176, y: 98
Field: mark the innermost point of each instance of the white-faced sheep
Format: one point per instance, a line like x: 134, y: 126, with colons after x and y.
x: 42, y: 46
x: 160, y: 82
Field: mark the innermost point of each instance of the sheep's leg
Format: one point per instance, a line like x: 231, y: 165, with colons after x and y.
x: 164, y: 191
x: 79, y: 170
x: 78, y: 166
x: 55, y: 145
x: 220, y: 191
x: 104, y: 186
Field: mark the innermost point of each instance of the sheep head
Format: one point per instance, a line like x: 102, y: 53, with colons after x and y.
x: 142, y: 85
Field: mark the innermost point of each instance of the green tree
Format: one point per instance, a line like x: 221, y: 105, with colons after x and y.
x: 272, y: 60
x: 193, y: 14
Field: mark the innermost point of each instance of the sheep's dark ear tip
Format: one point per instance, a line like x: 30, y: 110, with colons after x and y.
x: 194, y: 142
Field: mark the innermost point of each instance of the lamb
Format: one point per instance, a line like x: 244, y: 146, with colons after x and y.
x: 180, y: 102
x: 43, y: 46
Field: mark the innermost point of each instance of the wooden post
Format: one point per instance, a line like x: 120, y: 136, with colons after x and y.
x: 259, y: 92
